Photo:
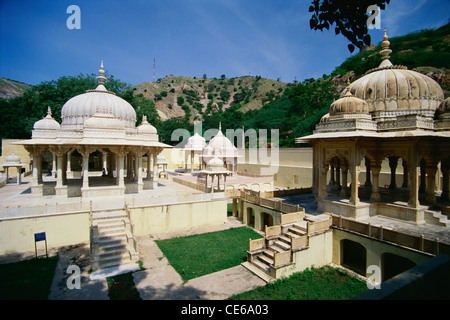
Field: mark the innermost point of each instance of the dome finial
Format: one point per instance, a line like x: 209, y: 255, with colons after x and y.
x: 49, y: 112
x: 385, y: 51
x: 220, y: 125
x: 101, y: 75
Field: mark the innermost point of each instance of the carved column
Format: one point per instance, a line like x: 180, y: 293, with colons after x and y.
x: 155, y: 167
x: 323, y: 182
x: 85, y: 167
x: 54, y: 170
x: 413, y: 173
x: 354, y: 197
x: 375, y: 195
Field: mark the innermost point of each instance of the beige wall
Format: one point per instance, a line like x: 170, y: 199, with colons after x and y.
x: 177, y: 217
x: 17, y: 235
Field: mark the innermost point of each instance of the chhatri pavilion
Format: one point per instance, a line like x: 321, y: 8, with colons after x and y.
x: 98, y: 122
x: 390, y: 113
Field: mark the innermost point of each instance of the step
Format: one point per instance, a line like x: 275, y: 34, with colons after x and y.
x: 276, y: 248
x: 112, y: 247
x: 291, y: 234
x: 103, y: 260
x: 282, y: 245
x: 261, y: 265
x: 106, y: 223
x: 265, y: 259
x: 109, y: 215
x: 269, y: 253
x: 112, y: 231
x: 285, y: 239
x: 258, y: 272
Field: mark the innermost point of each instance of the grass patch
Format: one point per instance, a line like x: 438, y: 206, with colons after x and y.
x: 202, y: 254
x: 121, y: 287
x: 28, y: 279
x: 324, y: 283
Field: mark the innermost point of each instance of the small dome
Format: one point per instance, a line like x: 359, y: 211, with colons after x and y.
x: 196, y: 142
x: 145, y: 127
x: 444, y: 109
x: 325, y: 118
x: 12, y: 159
x: 47, y: 123
x: 160, y: 159
x: 221, y: 146
x: 348, y: 104
x: 215, y: 164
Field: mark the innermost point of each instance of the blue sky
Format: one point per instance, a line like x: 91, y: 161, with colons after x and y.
x: 270, y: 38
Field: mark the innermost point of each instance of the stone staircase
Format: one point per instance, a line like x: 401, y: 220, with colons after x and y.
x: 436, y: 217
x: 112, y: 241
x: 275, y: 249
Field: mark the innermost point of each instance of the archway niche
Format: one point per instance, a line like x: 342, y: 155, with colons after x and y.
x: 353, y: 256
x: 393, y: 265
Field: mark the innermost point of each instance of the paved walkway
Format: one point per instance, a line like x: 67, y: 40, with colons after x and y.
x: 159, y: 280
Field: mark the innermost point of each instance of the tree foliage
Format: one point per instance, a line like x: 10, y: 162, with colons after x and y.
x: 350, y: 18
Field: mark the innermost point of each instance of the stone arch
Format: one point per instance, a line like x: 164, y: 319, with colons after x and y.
x: 267, y: 219
x: 338, y: 167
x: 393, y: 264
x: 354, y: 256
x: 250, y: 216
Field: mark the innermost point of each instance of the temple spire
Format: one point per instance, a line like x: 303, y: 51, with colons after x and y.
x: 101, y: 75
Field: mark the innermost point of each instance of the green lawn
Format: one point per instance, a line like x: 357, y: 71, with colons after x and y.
x: 324, y: 283
x: 28, y: 279
x: 202, y: 254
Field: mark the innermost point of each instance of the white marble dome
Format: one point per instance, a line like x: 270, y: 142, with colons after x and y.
x: 145, y: 127
x: 196, y: 142
x: 47, y: 123
x: 81, y: 107
x: 221, y: 146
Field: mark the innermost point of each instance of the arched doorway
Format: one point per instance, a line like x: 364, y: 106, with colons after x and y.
x: 393, y: 265
x: 353, y: 256
x: 250, y: 217
x: 267, y: 219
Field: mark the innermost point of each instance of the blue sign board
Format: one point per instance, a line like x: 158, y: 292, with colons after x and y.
x: 39, y: 236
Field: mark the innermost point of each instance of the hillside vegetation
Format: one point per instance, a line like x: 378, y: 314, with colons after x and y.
x: 250, y: 101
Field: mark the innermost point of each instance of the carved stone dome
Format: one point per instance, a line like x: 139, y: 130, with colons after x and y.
x: 47, y: 123
x: 348, y: 104
x: 81, y: 107
x: 395, y: 88
x: 145, y: 127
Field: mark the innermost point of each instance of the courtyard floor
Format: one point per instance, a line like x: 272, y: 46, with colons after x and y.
x: 159, y: 280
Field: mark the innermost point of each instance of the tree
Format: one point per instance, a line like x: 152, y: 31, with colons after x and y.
x: 19, y: 114
x: 350, y: 17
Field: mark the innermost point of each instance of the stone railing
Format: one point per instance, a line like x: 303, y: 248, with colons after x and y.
x: 415, y: 242
x: 282, y: 258
x: 257, y: 244
x: 277, y: 205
